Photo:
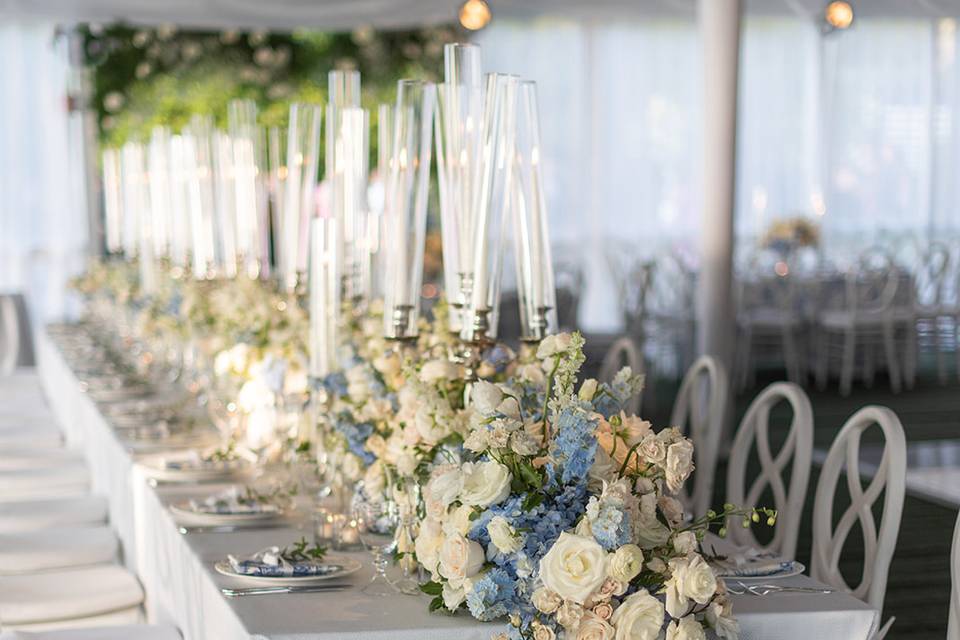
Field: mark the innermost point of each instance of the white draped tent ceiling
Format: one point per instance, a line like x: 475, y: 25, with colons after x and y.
x: 336, y: 15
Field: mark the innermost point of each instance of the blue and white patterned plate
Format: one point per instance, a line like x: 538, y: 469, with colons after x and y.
x: 764, y: 571
x: 345, y: 566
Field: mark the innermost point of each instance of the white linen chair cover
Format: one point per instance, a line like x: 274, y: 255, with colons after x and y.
x: 56, y: 548
x: 70, y: 594
x: 9, y: 334
x: 31, y: 515
x: 125, y: 632
x: 40, y: 438
x: 699, y: 412
x: 623, y: 352
x: 953, y: 626
x: 890, y: 478
x: 796, y: 450
x: 20, y: 458
x: 65, y: 480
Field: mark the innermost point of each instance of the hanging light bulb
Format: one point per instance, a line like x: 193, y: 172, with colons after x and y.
x: 475, y: 14
x: 838, y: 14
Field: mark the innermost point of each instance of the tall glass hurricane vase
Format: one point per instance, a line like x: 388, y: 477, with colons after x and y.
x: 459, y: 116
x: 303, y: 146
x: 491, y: 205
x: 406, y: 207
x: 531, y: 235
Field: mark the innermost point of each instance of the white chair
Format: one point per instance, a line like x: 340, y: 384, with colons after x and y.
x: 9, y: 334
x: 623, y: 352
x: 796, y: 450
x: 82, y: 597
x: 125, y: 632
x: 929, y: 303
x: 31, y: 515
x: 57, y: 548
x: 69, y: 479
x: 889, y: 478
x: 953, y: 626
x: 699, y: 411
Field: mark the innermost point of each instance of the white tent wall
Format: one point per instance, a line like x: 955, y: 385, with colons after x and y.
x: 43, y: 213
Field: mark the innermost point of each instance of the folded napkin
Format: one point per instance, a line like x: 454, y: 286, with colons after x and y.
x: 269, y: 563
x: 56, y: 548
x: 231, y: 501
x: 747, y: 562
x: 30, y: 515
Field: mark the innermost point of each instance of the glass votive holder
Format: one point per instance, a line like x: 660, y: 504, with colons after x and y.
x: 347, y: 533
x: 325, y: 527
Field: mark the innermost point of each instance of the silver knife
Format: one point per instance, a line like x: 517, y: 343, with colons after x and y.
x: 234, y: 528
x: 261, y: 591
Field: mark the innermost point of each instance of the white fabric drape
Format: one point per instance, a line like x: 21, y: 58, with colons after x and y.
x: 43, y: 223
x: 857, y: 129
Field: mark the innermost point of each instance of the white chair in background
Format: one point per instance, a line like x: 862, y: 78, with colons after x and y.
x: 889, y: 479
x: 699, y: 411
x: 9, y: 334
x: 953, y: 626
x: 623, y: 352
x: 125, y: 632
x: 668, y: 314
x: 930, y: 307
x: 796, y: 450
x: 32, y: 515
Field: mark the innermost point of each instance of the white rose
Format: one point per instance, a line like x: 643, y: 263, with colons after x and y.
x: 690, y: 579
x: 374, y: 480
x: 545, y: 601
x: 720, y: 616
x: 649, y: 531
x: 387, y: 364
x: 261, y: 427
x: 587, y: 390
x: 593, y: 627
x: 542, y: 631
x: 685, y: 542
x: 460, y: 558
x: 625, y: 563
x: 407, y: 464
x: 531, y: 373
x: 485, y: 483
x: 574, y: 567
x: 254, y: 394
x: 671, y: 508
x: 458, y: 521
x: 453, y: 596
x: 569, y: 615
x: 376, y: 445
x: 352, y: 467
x: 486, y: 397
x: 639, y: 617
x: 428, y: 543
x: 554, y: 344
x: 679, y: 464
x: 432, y: 431
x: 686, y: 628
x: 503, y: 536
x: 438, y: 370
x: 442, y: 489
x: 295, y: 382
x: 652, y: 450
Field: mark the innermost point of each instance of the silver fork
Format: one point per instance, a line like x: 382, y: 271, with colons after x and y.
x: 768, y: 589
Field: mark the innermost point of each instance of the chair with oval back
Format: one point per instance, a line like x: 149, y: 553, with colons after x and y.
x: 953, y: 626
x: 929, y: 306
x: 699, y: 411
x: 623, y: 352
x: 796, y: 450
x: 889, y: 478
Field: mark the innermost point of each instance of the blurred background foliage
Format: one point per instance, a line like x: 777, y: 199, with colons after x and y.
x: 163, y: 76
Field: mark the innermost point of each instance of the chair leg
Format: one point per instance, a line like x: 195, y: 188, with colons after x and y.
x: 822, y: 339
x: 910, y: 359
x: 846, y: 370
x: 891, y: 348
x: 790, y: 356
x: 941, y: 361
x: 869, y: 364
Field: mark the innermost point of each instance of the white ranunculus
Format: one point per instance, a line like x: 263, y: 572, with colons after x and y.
x: 685, y: 542
x: 428, y: 543
x: 376, y: 445
x: 438, y: 370
x: 639, y: 617
x: 430, y: 430
x: 574, y: 567
x: 460, y: 558
x: 625, y: 563
x: 593, y: 627
x: 485, y: 483
x: 388, y: 364
x: 503, y: 536
x: 453, y: 596
x: 679, y: 464
x: 545, y: 601
x: 486, y: 397
x: 686, y: 628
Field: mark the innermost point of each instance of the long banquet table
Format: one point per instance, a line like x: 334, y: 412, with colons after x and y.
x: 183, y: 587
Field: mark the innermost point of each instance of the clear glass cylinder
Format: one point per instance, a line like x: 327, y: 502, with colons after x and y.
x: 200, y: 194
x: 249, y: 183
x: 405, y: 214
x: 180, y: 232
x: 531, y: 236
x: 459, y: 117
x: 376, y: 200
x: 491, y: 205
x: 303, y: 146
x: 112, y: 201
x: 226, y: 204
x: 159, y: 169
x: 276, y: 189
x: 324, y: 291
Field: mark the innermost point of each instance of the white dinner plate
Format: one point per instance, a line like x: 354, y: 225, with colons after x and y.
x: 187, y: 516
x: 155, y: 468
x: 348, y: 565
x: 788, y: 569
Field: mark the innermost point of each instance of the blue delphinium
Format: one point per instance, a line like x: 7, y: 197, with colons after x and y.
x: 492, y: 596
x: 609, y: 522
x: 574, y: 447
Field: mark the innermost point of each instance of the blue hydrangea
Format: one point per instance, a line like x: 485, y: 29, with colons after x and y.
x: 356, y: 436
x: 492, y: 596
x: 335, y: 384
x: 574, y: 447
x: 609, y: 522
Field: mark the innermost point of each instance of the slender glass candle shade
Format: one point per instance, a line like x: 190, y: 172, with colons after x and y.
x: 405, y: 215
x: 324, y: 296
x: 130, y: 198
x: 137, y: 196
x: 226, y: 203
x: 180, y: 215
x: 248, y: 186
x: 200, y: 195
x: 459, y: 116
x: 531, y: 233
x: 303, y: 141
x: 277, y: 158
x: 491, y: 207
x: 112, y: 201
x: 159, y: 185
x: 376, y: 201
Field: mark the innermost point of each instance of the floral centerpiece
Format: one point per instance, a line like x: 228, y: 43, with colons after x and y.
x: 791, y: 233
x: 560, y: 517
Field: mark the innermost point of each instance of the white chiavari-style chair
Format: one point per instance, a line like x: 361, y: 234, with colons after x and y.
x: 889, y: 479
x: 699, y: 411
x: 953, y: 626
x: 754, y: 432
x: 930, y: 307
x: 624, y: 352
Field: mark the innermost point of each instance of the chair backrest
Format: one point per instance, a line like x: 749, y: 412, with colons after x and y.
x: 755, y: 430
x: 890, y: 479
x: 623, y: 352
x: 872, y: 284
x: 953, y: 626
x: 671, y: 288
x: 931, y: 276
x: 9, y: 334
x: 768, y: 282
x: 699, y: 412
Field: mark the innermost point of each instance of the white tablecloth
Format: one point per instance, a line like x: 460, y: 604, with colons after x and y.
x: 183, y: 588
